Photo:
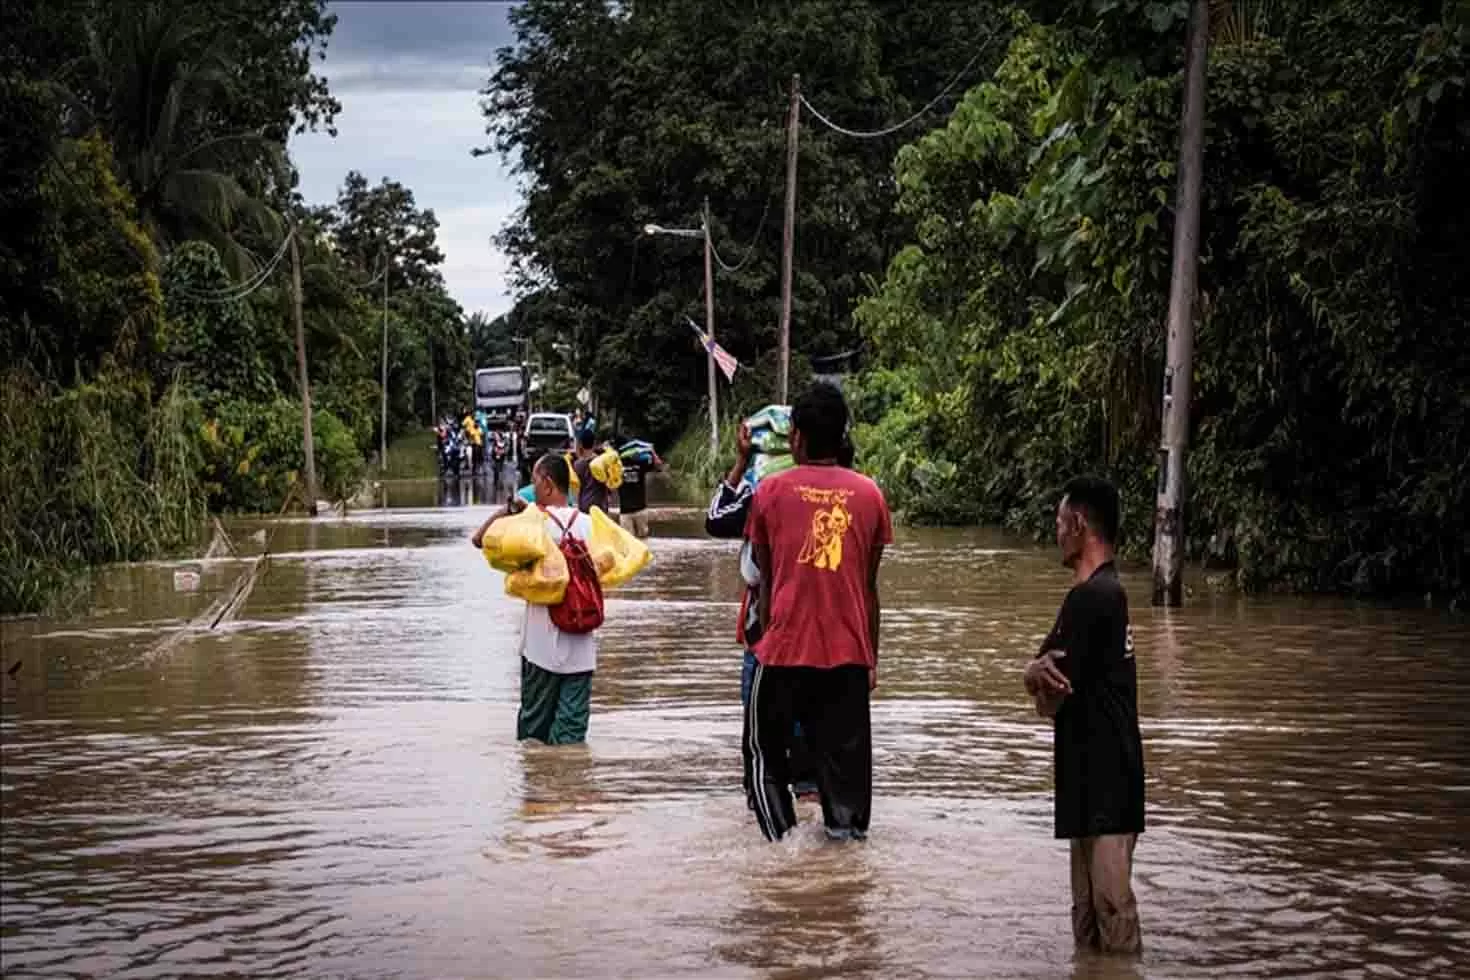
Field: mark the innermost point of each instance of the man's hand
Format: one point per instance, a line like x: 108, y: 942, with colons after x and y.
x: 872, y: 679
x: 742, y: 457
x: 1044, y: 678
x: 742, y: 441
x: 478, y: 538
x: 1047, y: 705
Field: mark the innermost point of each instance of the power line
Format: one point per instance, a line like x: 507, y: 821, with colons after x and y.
x: 749, y: 249
x: 241, y: 290
x: 890, y: 130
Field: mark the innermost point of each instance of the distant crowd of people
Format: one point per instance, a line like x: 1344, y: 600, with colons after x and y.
x: 467, y: 442
x: 813, y: 539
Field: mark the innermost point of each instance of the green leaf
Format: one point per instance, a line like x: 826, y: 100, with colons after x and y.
x: 1145, y: 222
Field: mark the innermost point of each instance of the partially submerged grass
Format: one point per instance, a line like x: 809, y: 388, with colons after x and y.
x: 92, y: 474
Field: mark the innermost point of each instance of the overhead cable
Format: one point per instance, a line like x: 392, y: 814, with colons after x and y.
x: 890, y: 130
x: 749, y: 249
x: 240, y: 290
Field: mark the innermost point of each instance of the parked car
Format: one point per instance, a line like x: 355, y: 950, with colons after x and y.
x: 546, y: 432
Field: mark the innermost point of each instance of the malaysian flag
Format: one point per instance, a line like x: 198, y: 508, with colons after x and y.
x: 723, y: 358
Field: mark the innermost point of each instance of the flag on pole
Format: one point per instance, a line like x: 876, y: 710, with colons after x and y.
x: 723, y: 358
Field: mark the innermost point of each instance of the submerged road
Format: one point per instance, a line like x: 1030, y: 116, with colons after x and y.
x: 329, y: 784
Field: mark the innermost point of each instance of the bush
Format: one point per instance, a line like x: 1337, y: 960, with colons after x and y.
x: 253, y: 457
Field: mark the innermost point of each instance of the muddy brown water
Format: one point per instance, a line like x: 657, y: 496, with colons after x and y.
x: 329, y: 785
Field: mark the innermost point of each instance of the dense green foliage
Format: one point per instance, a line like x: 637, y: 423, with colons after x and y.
x: 618, y: 115
x: 1018, y: 337
x: 1004, y: 262
x: 145, y: 304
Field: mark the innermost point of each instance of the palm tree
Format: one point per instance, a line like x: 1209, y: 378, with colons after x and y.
x: 164, y: 84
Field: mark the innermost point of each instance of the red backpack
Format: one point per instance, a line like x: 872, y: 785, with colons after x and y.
x: 580, y: 611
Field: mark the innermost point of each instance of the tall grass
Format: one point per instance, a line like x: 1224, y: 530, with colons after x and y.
x: 693, y: 468
x: 92, y: 474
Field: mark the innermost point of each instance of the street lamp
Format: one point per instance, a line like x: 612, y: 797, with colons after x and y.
x: 677, y: 232
x: 709, y: 311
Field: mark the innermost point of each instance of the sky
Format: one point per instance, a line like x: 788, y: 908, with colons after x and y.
x: 407, y: 74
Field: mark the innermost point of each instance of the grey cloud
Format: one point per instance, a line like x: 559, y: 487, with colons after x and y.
x: 458, y: 32
x: 407, y: 74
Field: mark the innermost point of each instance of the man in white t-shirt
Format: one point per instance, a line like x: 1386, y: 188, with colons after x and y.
x: 556, y: 667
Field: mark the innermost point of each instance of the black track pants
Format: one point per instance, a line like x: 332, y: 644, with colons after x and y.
x: 831, y: 705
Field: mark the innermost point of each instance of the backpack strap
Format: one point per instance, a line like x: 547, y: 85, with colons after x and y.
x: 566, y: 528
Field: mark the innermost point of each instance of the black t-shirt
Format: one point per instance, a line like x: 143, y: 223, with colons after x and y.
x: 594, y: 491
x: 1098, y: 751
x: 633, y: 494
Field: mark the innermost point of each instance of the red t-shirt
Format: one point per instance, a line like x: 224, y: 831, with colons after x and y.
x: 822, y: 525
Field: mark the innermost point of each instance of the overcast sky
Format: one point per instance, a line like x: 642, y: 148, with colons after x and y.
x: 407, y: 74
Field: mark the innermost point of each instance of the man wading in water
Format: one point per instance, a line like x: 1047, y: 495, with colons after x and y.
x: 729, y: 513
x: 556, y: 666
x: 1085, y: 678
x: 818, y: 531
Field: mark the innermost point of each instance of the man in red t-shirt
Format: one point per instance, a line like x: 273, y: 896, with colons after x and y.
x: 818, y: 531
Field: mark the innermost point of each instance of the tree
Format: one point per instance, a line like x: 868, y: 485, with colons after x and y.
x: 1017, y: 339
x: 197, y: 100
x: 491, y: 340
x: 428, y: 349
x: 374, y: 223
x: 619, y: 116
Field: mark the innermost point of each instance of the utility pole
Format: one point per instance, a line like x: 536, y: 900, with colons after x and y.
x: 383, y: 433
x: 709, y: 329
x: 308, y: 447
x: 1178, y: 372
x: 788, y: 242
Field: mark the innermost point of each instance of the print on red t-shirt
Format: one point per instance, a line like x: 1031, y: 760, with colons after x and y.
x: 822, y: 525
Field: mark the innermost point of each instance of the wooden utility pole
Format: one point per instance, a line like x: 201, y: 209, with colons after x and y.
x: 1178, y: 371
x: 308, y: 446
x: 788, y: 242
x: 383, y: 433
x: 709, y: 329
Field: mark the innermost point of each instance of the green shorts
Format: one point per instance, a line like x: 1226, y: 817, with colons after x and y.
x: 555, y: 708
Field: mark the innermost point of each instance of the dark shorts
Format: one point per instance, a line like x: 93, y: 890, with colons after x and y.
x: 555, y: 708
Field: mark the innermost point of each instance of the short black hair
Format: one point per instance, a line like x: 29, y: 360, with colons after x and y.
x: 820, y: 415
x: 557, y: 471
x: 586, y: 438
x: 1097, y: 500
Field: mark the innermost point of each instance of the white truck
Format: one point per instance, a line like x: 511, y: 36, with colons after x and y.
x: 501, y: 392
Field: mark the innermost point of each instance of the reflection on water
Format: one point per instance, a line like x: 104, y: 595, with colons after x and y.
x: 330, y: 785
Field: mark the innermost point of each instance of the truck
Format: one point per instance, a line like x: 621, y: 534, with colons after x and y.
x: 546, y: 432
x: 501, y: 392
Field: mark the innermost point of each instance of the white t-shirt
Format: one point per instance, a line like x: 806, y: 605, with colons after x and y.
x: 542, y: 643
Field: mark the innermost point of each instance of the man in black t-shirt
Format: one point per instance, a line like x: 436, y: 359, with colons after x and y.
x: 1085, y: 678
x: 633, y: 494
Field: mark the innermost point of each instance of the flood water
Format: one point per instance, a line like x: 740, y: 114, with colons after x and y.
x: 329, y: 785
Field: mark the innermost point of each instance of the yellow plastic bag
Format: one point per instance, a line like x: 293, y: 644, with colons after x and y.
x: 628, y: 555
x: 543, y: 584
x: 576, y: 484
x: 512, y: 543
x: 607, y: 469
